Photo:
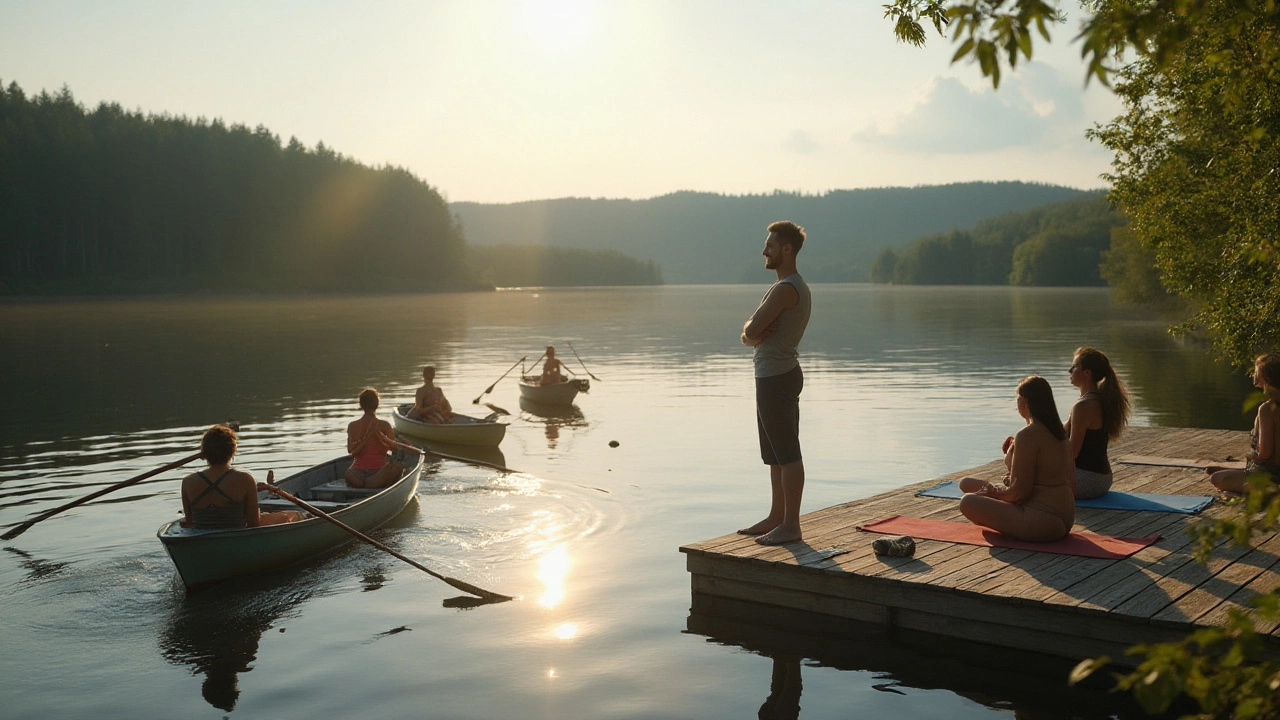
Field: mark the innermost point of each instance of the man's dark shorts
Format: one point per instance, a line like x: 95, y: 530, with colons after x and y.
x: 778, y: 416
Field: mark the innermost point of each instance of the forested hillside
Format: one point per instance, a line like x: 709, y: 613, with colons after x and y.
x: 709, y: 238
x: 1062, y: 243
x: 111, y: 200
x: 550, y: 266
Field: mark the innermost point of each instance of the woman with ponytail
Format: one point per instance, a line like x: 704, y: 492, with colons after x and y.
x: 1036, y: 501
x: 1097, y: 418
x: 1265, y: 438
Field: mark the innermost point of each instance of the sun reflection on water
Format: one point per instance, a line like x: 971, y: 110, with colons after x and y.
x: 552, y: 569
x: 567, y: 631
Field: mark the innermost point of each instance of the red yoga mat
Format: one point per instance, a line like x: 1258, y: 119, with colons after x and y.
x: 1076, y: 543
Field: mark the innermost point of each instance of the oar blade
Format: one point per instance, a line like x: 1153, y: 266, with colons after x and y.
x: 468, y: 588
x: 16, y: 531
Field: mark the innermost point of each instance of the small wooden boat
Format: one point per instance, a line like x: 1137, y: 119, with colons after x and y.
x: 561, y: 393
x: 204, y: 557
x: 464, y: 430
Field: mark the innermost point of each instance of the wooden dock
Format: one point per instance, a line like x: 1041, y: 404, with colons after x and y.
x: 1071, y: 607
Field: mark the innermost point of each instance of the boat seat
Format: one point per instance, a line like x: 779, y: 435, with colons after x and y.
x: 275, y: 504
x: 339, y: 491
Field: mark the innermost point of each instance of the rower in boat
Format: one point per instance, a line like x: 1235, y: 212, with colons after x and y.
x: 551, y: 369
x: 429, y: 402
x: 221, y: 496
x: 369, y: 440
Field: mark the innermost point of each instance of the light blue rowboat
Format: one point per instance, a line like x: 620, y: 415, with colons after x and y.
x: 204, y: 557
x: 561, y: 393
x: 464, y: 430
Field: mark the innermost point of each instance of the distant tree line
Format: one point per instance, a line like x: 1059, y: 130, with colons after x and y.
x: 111, y: 200
x: 701, y: 237
x: 551, y: 266
x: 1059, y: 244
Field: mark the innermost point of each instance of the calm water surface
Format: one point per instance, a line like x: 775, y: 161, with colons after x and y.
x: 901, y: 384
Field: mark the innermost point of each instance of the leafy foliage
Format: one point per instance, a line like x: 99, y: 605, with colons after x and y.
x: 115, y: 201
x: 1057, y: 244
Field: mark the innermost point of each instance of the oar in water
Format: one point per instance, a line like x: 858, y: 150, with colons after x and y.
x: 495, y: 382
x: 584, y: 365
x: 19, y: 529
x: 465, y: 587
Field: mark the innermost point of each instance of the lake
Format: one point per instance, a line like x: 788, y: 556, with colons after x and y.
x: 901, y: 385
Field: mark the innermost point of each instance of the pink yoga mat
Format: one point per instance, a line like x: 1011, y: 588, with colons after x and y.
x: 1076, y: 543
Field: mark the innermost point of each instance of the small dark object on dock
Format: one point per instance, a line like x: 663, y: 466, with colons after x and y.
x: 614, y: 443
x: 901, y: 546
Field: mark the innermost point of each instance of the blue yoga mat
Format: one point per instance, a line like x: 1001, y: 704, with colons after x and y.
x: 1114, y: 500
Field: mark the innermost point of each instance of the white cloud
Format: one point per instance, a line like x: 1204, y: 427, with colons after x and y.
x: 798, y: 142
x: 1032, y: 107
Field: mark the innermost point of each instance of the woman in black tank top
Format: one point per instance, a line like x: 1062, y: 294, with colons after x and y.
x: 1097, y: 418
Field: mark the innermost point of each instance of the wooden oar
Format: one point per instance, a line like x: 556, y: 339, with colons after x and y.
x: 584, y: 365
x: 463, y: 586
x: 495, y: 382
x: 19, y: 529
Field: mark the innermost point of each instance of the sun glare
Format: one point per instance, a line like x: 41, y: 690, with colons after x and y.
x: 552, y: 569
x: 557, y: 23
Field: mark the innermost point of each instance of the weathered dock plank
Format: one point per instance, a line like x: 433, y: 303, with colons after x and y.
x: 1056, y: 604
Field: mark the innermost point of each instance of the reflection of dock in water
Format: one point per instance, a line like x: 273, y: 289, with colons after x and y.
x: 1064, y: 605
x: 1030, y: 682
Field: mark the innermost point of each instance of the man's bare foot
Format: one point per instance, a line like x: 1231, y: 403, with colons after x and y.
x: 760, y: 528
x: 779, y: 536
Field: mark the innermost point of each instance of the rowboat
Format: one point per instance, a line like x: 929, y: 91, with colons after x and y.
x: 464, y: 430
x: 561, y: 393
x: 204, y: 557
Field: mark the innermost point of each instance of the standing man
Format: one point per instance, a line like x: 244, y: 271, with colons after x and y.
x: 774, y: 330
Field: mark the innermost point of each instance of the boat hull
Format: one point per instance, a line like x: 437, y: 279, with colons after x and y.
x: 561, y: 393
x: 205, y: 557
x: 465, y: 430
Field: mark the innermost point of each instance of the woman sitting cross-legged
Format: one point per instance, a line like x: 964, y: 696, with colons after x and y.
x: 1037, y: 501
x: 1098, y: 417
x: 1264, y: 440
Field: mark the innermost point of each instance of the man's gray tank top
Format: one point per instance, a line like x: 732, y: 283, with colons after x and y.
x: 777, y: 354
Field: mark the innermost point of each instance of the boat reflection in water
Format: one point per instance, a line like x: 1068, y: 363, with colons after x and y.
x: 217, y: 632
x: 1031, y: 684
x: 553, y: 417
x: 487, y: 455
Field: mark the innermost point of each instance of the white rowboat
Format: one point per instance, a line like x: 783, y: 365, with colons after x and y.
x: 204, y: 557
x: 561, y: 393
x: 464, y: 430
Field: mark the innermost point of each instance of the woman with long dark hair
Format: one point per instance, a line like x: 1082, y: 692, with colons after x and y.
x: 1097, y: 418
x: 1036, y: 502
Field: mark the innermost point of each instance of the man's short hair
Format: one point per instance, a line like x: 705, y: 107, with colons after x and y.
x: 789, y: 233
x: 369, y: 399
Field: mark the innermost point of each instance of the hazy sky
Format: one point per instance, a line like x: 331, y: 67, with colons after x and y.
x: 506, y: 100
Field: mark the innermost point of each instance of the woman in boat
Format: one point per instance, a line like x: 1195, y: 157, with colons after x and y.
x: 1098, y: 417
x: 551, y: 369
x: 429, y: 402
x: 1036, y: 502
x: 1265, y: 437
x: 220, y: 496
x: 369, y: 440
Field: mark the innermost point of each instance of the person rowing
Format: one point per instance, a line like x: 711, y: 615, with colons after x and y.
x: 369, y: 440
x: 552, y: 369
x: 221, y: 497
x: 429, y: 402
